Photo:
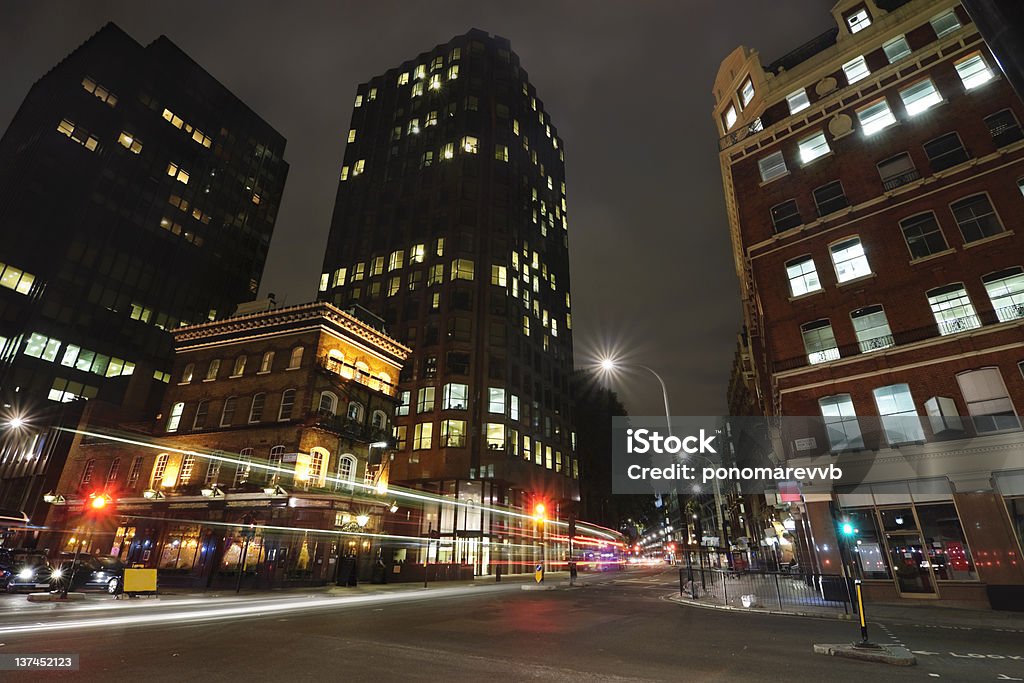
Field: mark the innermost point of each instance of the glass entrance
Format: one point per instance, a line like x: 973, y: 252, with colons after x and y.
x: 910, y: 564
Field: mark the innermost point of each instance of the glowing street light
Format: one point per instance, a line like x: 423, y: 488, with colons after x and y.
x: 609, y: 365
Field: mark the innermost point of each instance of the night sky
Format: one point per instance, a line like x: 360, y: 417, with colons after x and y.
x: 627, y: 83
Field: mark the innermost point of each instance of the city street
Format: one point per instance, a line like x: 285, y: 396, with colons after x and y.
x: 620, y: 626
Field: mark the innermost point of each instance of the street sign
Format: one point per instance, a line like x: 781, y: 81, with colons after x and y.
x: 538, y: 573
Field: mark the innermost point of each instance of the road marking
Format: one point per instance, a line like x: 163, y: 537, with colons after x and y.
x: 971, y: 655
x: 1004, y: 677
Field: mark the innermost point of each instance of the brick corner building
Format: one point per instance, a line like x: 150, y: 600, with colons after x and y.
x: 873, y: 180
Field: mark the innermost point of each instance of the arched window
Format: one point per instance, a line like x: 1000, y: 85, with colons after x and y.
x: 115, y: 465
x: 346, y: 471
x: 379, y: 420
x: 202, y: 411
x: 186, y: 374
x: 90, y: 465
x: 317, y: 460
x: 158, y: 471
x: 296, y: 358
x: 274, y: 464
x: 228, y: 414
x: 385, y: 383
x: 175, y: 417
x: 267, y: 362
x: 212, y: 473
x: 188, y: 463
x: 328, y: 404
x: 362, y: 371
x: 239, y: 369
x: 244, y: 466
x: 256, y: 411
x: 355, y: 411
x: 287, y: 404
x: 335, y: 361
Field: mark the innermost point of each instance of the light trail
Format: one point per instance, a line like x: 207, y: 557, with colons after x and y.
x: 393, y: 492
x: 251, y: 610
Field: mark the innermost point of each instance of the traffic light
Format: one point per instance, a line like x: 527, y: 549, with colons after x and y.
x: 538, y: 511
x: 848, y: 530
x: 99, y: 504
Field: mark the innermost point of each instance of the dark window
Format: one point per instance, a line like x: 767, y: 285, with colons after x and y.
x: 459, y: 328
x: 830, y: 198
x: 1003, y: 128
x: 786, y: 216
x: 457, y: 363
x: 945, y: 151
x: 897, y: 170
x: 976, y: 217
x: 923, y: 235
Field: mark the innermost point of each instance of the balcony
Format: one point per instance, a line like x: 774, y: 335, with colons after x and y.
x: 892, y: 182
x: 356, y: 374
x: 952, y: 326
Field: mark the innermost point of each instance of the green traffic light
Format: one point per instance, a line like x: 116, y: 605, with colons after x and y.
x: 847, y: 529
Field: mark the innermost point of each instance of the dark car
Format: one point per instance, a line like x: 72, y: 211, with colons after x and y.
x: 23, y: 569
x: 100, y: 572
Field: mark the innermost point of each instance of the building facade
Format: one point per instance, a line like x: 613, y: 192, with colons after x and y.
x: 873, y: 181
x: 137, y: 195
x: 450, y: 223
x: 278, y: 420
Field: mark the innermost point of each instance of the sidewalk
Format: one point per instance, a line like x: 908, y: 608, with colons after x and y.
x: 920, y: 614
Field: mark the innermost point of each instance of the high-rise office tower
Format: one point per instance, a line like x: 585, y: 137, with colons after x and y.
x: 450, y: 223
x: 137, y: 194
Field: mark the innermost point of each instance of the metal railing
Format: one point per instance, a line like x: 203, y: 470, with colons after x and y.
x: 892, y: 182
x: 783, y: 591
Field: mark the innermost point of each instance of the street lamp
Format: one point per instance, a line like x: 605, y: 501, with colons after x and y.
x: 610, y: 365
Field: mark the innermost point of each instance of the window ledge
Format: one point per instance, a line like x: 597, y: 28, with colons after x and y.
x: 263, y: 372
x: 184, y: 384
x: 295, y: 368
x: 855, y: 280
x: 233, y: 376
x: 929, y: 257
x: 778, y: 177
x: 210, y: 379
x: 990, y: 238
x: 806, y: 295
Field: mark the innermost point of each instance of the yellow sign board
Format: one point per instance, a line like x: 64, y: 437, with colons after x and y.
x: 139, y: 580
x: 538, y: 574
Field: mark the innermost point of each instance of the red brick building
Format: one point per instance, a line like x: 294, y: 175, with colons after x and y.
x: 280, y: 419
x: 873, y: 181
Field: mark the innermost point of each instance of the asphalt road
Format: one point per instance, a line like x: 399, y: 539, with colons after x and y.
x: 619, y: 627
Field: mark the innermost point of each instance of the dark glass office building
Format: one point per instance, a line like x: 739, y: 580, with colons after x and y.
x: 450, y: 223
x: 137, y: 194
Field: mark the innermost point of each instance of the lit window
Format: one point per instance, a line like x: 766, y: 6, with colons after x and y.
x: 425, y: 400
x: 373, y: 94
x: 267, y: 362
x: 945, y: 23
x: 923, y: 235
x: 453, y: 433
x: 803, y: 276
x: 501, y: 152
x: 899, y: 416
x: 344, y: 173
x: 772, y: 166
x: 871, y: 326
x: 377, y: 266
x: 427, y: 159
x: 462, y: 269
x: 746, y: 92
x: 178, y: 174
x: 422, y: 436
x: 403, y: 78
x: 470, y: 144
x: 849, y: 260
x: 448, y: 151
x: 920, y: 96
x: 175, y: 417
x: 973, y: 70
x: 813, y: 147
x: 99, y: 91
x: 495, y: 436
x: 896, y: 49
x: 435, y: 82
x: 414, y: 127
x: 729, y: 117
x: 798, y: 101
x: 359, y: 101
x: 988, y: 402
x: 417, y: 89
x: 952, y: 309
x: 499, y: 275
x: 976, y: 217
x: 431, y: 119
x: 359, y: 167
x: 875, y: 116
x: 841, y: 424
x: 455, y: 396
x: 395, y: 260
x: 819, y: 342
x: 856, y: 69
x: 453, y: 72
x: 496, y: 400
x: 351, y: 135
x: 421, y: 72
x: 1006, y: 291
x: 858, y: 20
x: 295, y: 359
x: 212, y: 369
x: 239, y: 368
x: 129, y: 142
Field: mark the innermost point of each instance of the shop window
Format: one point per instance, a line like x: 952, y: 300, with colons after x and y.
x: 948, y: 553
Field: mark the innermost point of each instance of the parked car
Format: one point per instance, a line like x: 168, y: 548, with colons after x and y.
x: 23, y: 569
x: 100, y: 572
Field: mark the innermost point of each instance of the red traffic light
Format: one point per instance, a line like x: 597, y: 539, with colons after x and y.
x: 538, y: 510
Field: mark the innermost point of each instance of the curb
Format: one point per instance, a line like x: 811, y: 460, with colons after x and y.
x: 884, y: 654
x: 756, y: 610
x: 52, y: 597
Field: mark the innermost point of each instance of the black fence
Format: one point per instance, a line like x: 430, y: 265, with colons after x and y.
x: 787, y: 592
